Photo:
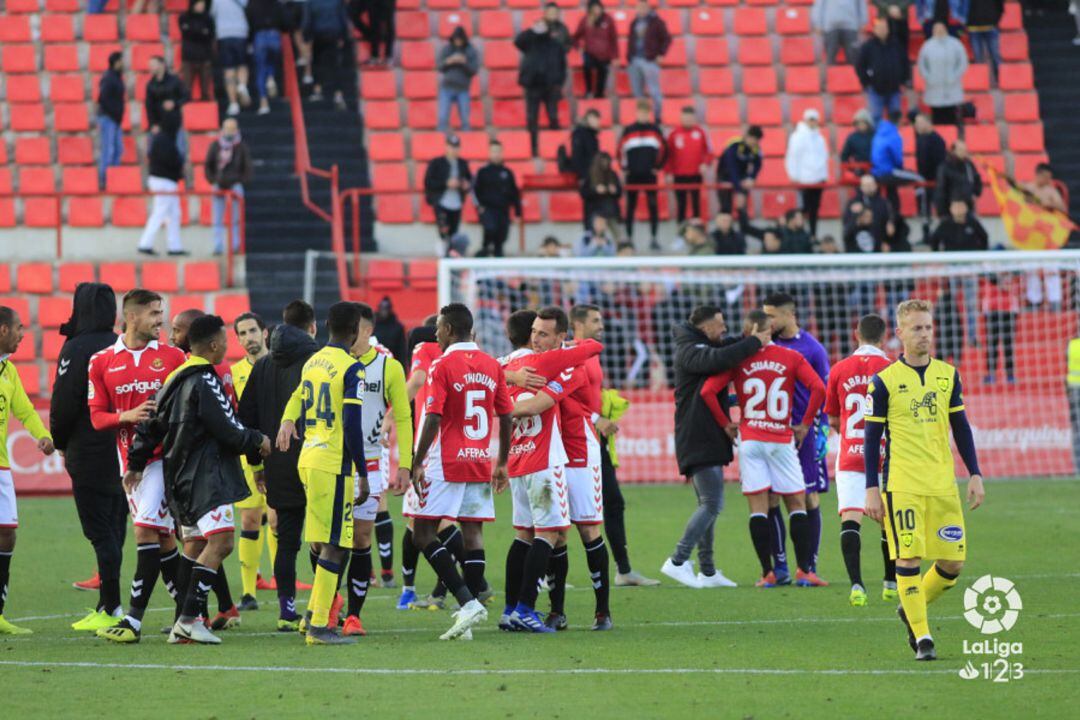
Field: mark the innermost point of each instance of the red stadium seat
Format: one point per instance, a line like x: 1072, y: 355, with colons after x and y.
x: 15, y: 29
x: 18, y: 59
x: 389, y: 176
x: 395, y: 209
x: 180, y: 303
x: 378, y: 85
x: 23, y: 89
x: 386, y: 147
x: 71, y: 117
x: 67, y: 88
x: 41, y: 212
x: 764, y: 111
x: 792, y: 21
x: 70, y: 6
x: 7, y: 212
x: 564, y: 207
x: 1027, y: 138
x: 1022, y: 107
x: 80, y: 181
x: 413, y: 25
x: 36, y: 181
x: 51, y: 343
x: 800, y: 104
x: 382, y: 115
x: 448, y: 21
x: 30, y: 377
x: 504, y: 84
x: 676, y: 54
x: 202, y: 276
x: 716, y: 81
x: 750, y: 21
x: 983, y: 139
x: 86, y: 211
x: 73, y: 273
x: 423, y: 274
x: 797, y: 51
x: 142, y: 54
x: 706, y: 22
x: 601, y: 105
x: 27, y: 351
x: 420, y: 85
x: 119, y: 275
x: 977, y: 78
x: 675, y: 83
x: 122, y: 179
x: 711, y: 51
x: 755, y: 51
x: 99, y: 56
x: 200, y: 116
x: 53, y: 311
x: 511, y: 113
x: 23, y: 6
x: 496, y: 24
x: 143, y: 28
x: 1014, y: 47
x: 1011, y: 19
x: 129, y: 212
x: 230, y: 305
x: 844, y: 108
x: 427, y: 145
x: 759, y: 81
x: 161, y: 276
x: 723, y: 111
x: 5, y: 278
x: 78, y: 150
x: 62, y: 58
x: 385, y: 275
x: 33, y: 151
x: 57, y: 29
x: 420, y: 55
x: 802, y: 80
x: 35, y: 278
x: 101, y: 27
x: 842, y: 80
x: 1016, y: 77
x: 6, y: 186
x: 516, y: 145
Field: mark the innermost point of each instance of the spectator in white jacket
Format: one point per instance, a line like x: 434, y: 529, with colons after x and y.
x: 942, y: 64
x: 807, y: 163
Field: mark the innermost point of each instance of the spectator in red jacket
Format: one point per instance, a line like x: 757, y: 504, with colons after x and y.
x: 689, y: 153
x: 595, y: 35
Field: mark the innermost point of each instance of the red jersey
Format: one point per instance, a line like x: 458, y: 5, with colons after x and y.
x: 423, y: 355
x: 845, y: 398
x: 765, y: 386
x: 577, y: 409
x: 688, y: 150
x: 468, y: 389
x: 121, y: 379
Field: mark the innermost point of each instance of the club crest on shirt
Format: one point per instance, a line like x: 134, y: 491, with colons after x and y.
x: 943, y: 384
x: 907, y: 538
x: 928, y: 402
x: 157, y: 365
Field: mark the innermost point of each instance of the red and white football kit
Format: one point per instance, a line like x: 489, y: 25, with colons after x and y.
x: 423, y: 355
x: 765, y: 384
x: 467, y: 388
x: 582, y: 441
x: 845, y: 398
x: 121, y: 379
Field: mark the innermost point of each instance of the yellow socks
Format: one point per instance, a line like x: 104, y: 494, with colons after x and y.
x: 913, y: 600
x: 250, y: 551
x: 322, y: 592
x: 271, y: 545
x: 935, y: 582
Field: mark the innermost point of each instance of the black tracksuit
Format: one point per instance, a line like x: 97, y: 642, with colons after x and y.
x: 169, y: 87
x: 643, y: 151
x: 435, y: 179
x: 90, y: 455
x: 496, y: 194
x: 272, y: 382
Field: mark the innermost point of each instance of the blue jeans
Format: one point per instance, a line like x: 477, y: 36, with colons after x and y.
x: 878, y: 103
x: 112, y: 145
x: 984, y: 45
x: 447, y: 98
x: 94, y: 7
x: 267, y: 50
x: 219, y: 220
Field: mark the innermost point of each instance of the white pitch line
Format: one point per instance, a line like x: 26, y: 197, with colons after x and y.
x: 497, y: 671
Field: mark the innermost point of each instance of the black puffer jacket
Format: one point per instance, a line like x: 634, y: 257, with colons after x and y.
x: 89, y: 454
x: 268, y: 389
x: 699, y: 441
x: 543, y: 56
x: 203, y: 441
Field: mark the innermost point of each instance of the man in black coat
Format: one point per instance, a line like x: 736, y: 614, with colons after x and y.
x: 447, y: 181
x: 496, y: 193
x: 542, y: 71
x: 90, y: 455
x: 702, y: 448
x: 165, y: 95
x: 203, y: 441
x: 270, y: 385
x: 388, y: 329
x: 883, y: 69
x: 112, y: 97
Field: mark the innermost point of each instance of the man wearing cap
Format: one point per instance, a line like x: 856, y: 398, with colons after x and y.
x: 446, y: 183
x: 807, y: 163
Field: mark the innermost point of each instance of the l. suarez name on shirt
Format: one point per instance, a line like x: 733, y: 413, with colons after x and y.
x: 765, y: 365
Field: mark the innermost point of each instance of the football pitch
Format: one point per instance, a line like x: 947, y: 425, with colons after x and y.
x: 675, y: 652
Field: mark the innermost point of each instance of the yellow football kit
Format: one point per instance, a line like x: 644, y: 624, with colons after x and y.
x: 241, y: 371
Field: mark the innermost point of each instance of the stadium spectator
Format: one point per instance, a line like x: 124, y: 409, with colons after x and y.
x: 389, y: 330
x: 649, y: 41
x: 887, y: 159
x: 869, y: 197
x: 771, y: 244
x: 983, y: 17
x: 794, y: 237
x: 266, y: 20
x: 625, y: 249
x: 326, y: 27
x: 496, y: 193
x: 696, y: 238
x: 942, y: 64
x: 447, y: 181
x: 166, y: 95
x: 861, y: 234
x: 857, y: 145
x: 584, y: 144
x: 603, y: 190
x: 807, y: 163
x: 598, y: 241
x: 839, y: 22
x: 738, y: 166
x: 542, y: 71
x: 883, y: 70
x: 896, y: 13
x: 962, y: 232
x: 228, y: 167
x: 726, y: 239
x: 595, y: 34
x: 457, y: 63
x: 376, y: 22
x: 231, y: 30
x: 89, y: 455
x: 642, y: 152
x: 293, y: 22
x: 689, y: 154
x: 951, y: 13
x: 112, y: 97
x: 1044, y: 190
x: 957, y: 179
x: 1000, y: 308
x: 930, y: 152
x: 552, y: 248
x: 1046, y: 284
x: 197, y: 50
x: 166, y: 168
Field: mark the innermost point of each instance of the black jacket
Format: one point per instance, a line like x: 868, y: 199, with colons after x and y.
x: 169, y: 87
x: 730, y: 243
x: 857, y: 147
x: 196, y: 37
x: 272, y: 382
x: 264, y: 15
x: 929, y: 153
x: 391, y: 335
x: 584, y: 144
x: 236, y: 172
x: 985, y: 13
x: 164, y: 157
x: 543, y: 56
x: 738, y: 162
x: 203, y: 441
x: 89, y: 454
x: 951, y: 236
x: 111, y: 95
x: 882, y: 66
x: 437, y: 175
x: 699, y: 441
x: 956, y: 180
x: 496, y: 189
x: 642, y: 151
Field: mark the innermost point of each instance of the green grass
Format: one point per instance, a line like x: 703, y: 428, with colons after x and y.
x: 714, y: 653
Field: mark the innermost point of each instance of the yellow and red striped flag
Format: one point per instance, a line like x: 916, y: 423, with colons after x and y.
x: 1029, y: 225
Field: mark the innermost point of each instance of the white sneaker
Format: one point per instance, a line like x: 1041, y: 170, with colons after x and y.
x: 245, y: 96
x: 193, y: 631
x: 681, y: 573
x: 467, y: 635
x: 715, y: 580
x: 634, y: 578
x: 473, y: 613
x: 271, y: 87
x: 233, y: 109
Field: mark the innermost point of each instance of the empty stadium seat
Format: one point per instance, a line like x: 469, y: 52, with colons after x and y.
x: 18, y: 59
x: 15, y: 29
x: 759, y: 81
x: 119, y: 275
x: 122, y: 179
x: 41, y: 212
x: 100, y: 27
x: 202, y: 276
x: 750, y: 21
x: 5, y: 278
x: 382, y: 115
x: 76, y: 150
x: 386, y: 147
x: 200, y: 116
x: 23, y: 89
x: 73, y: 273
x: 764, y: 111
x: 71, y: 117
x: 802, y: 80
x: 53, y: 311
x: 34, y: 278
x: 755, y: 51
x: 496, y: 24
x: 67, y: 88
x: 33, y: 151
x: 161, y: 276
x: 99, y: 56
x: 62, y: 58
x: 141, y: 56
x: 842, y: 80
x: 420, y: 55
x: 80, y: 181
x: 711, y: 51
x: 716, y: 81
x: 423, y: 274
x: 180, y: 303
x: 413, y: 25
x: 378, y: 85
x: 706, y: 22
x: 723, y: 111
x: 7, y: 212
x: 230, y: 305
x: 1022, y: 107
x: 1016, y: 77
x: 421, y: 85
x: 385, y: 275
x: 394, y: 209
x: 792, y: 21
x: 143, y: 28
x: 86, y: 211
x: 36, y: 181
x: 389, y: 176
x: 1027, y: 138
x: 797, y: 51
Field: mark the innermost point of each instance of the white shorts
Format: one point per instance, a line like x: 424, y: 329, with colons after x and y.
x: 9, y: 513
x: 586, y: 495
x: 218, y: 520
x: 540, y: 501
x: 850, y: 491
x: 147, y: 503
x: 410, y: 503
x: 768, y: 466
x: 464, y: 502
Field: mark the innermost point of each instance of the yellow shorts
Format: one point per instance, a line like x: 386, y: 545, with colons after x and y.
x: 256, y: 500
x: 924, y: 526
x: 328, y: 518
